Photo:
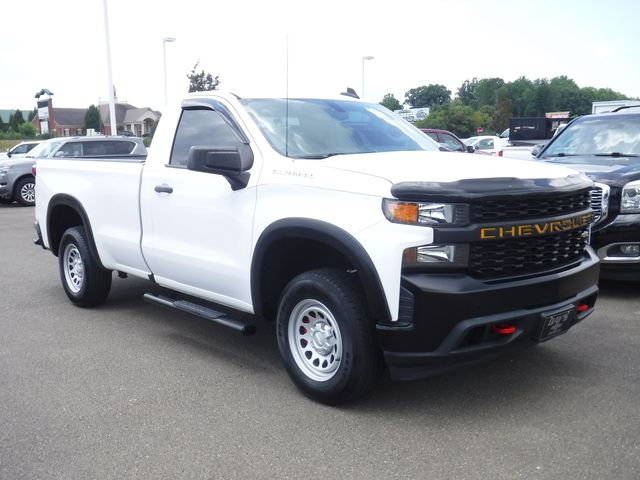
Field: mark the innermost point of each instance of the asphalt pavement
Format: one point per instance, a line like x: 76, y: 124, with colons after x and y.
x: 129, y: 390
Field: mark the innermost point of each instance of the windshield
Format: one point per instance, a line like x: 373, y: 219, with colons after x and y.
x: 323, y: 128
x: 44, y: 149
x: 598, y: 136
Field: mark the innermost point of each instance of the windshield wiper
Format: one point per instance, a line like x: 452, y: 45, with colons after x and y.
x: 562, y: 154
x: 615, y: 154
x: 321, y: 156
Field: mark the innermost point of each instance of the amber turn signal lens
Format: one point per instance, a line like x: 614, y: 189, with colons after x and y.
x: 405, y: 212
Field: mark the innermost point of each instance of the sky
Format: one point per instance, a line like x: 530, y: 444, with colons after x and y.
x: 302, y: 48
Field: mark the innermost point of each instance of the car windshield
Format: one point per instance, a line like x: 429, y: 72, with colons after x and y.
x: 315, y: 129
x: 598, y: 136
x: 44, y: 149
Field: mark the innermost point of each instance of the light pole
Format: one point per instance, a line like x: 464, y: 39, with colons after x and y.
x: 165, y: 40
x: 368, y: 57
x: 112, y: 103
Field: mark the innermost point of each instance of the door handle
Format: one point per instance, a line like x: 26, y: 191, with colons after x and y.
x: 164, y: 188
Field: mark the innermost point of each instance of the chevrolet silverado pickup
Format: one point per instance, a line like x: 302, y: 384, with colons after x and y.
x: 339, y: 221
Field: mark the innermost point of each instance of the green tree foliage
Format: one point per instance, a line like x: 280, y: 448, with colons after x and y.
x: 391, y: 102
x: 15, y: 120
x: 32, y: 114
x: 92, y: 118
x: 3, y: 126
x: 457, y: 118
x: 430, y: 96
x: 201, y: 81
x: 27, y: 129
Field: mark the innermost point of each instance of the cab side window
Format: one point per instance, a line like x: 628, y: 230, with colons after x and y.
x: 200, y: 127
x: 70, y: 149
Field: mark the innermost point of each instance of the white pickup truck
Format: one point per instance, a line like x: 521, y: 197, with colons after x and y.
x: 338, y: 220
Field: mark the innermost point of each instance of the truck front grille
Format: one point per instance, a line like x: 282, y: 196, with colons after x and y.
x: 522, y: 208
x: 600, y: 202
x: 527, y: 255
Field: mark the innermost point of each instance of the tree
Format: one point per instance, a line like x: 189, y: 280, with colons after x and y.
x: 201, y: 81
x: 3, y: 126
x: 467, y: 93
x: 428, y: 96
x: 32, y: 114
x: 457, y: 118
x: 27, y: 129
x: 15, y: 120
x: 92, y: 118
x: 391, y: 102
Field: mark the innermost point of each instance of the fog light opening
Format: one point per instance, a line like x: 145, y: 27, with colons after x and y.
x: 630, y: 250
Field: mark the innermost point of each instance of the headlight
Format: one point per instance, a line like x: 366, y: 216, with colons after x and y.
x: 436, y: 256
x: 428, y: 214
x: 631, y: 198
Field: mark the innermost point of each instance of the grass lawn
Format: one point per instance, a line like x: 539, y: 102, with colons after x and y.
x: 5, y: 144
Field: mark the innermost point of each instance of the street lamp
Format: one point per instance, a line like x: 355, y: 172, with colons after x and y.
x: 368, y: 57
x: 165, y: 40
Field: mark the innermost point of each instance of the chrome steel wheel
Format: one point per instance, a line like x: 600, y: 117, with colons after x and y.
x: 28, y: 192
x: 315, y: 340
x: 73, y: 268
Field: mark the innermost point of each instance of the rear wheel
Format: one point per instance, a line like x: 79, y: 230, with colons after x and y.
x: 325, y: 337
x: 85, y: 282
x: 25, y: 192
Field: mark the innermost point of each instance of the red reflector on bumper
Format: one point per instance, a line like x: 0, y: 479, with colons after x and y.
x: 583, y: 307
x: 503, y: 329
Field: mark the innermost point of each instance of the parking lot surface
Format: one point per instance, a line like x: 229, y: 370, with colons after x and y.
x: 128, y: 390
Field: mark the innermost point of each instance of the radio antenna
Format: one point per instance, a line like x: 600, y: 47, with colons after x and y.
x: 286, y: 119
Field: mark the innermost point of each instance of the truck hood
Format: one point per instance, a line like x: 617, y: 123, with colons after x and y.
x: 441, y: 167
x: 615, y: 172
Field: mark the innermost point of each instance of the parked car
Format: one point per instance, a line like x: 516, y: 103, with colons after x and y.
x: 17, y: 182
x: 606, y: 147
x: 487, y: 143
x: 20, y: 150
x: 448, y: 139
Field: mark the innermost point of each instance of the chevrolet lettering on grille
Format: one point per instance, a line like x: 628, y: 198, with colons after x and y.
x: 535, y: 229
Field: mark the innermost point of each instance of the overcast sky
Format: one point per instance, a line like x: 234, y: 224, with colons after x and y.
x: 61, y: 46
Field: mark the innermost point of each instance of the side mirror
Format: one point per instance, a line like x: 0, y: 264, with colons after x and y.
x: 9, y: 153
x: 230, y: 162
x: 535, y: 151
x: 476, y: 147
x: 470, y: 149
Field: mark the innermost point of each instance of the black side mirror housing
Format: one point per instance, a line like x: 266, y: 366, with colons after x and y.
x: 470, y: 149
x: 9, y: 153
x: 231, y: 162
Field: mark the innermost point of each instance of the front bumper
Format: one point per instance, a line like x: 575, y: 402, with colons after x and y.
x: 624, y: 230
x: 454, y: 317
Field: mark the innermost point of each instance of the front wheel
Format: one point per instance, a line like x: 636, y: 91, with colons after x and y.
x: 25, y: 192
x: 325, y: 337
x: 85, y: 282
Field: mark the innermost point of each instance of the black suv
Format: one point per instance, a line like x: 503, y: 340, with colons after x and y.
x: 606, y: 147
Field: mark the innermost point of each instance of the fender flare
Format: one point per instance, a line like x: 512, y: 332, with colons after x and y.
x: 332, y: 236
x: 63, y: 199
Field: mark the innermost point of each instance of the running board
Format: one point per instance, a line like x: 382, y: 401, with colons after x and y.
x: 204, y: 312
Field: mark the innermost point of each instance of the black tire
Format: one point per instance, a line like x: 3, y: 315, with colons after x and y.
x: 24, y: 192
x: 84, y: 281
x: 326, y: 340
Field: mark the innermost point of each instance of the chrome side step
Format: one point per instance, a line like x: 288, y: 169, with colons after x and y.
x: 201, y: 311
